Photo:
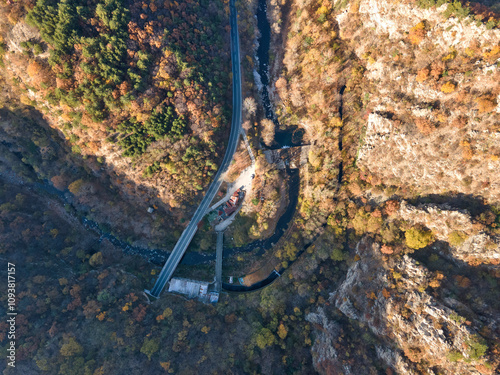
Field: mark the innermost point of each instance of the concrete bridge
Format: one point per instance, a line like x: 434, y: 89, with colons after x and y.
x: 218, y: 262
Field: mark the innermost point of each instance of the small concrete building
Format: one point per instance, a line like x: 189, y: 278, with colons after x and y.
x: 189, y: 288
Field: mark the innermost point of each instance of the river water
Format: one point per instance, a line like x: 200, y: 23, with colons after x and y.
x: 291, y: 135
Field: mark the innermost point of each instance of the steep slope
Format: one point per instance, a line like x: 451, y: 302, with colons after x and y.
x: 141, y: 88
x: 395, y: 299
x: 400, y: 101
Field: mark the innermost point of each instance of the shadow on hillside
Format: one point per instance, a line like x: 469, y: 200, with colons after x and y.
x: 36, y: 155
x: 472, y: 203
x: 472, y: 291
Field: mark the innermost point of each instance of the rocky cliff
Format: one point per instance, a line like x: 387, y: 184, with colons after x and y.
x: 396, y: 301
x: 434, y: 108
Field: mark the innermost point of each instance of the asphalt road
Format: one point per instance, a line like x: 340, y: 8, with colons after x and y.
x: 188, y: 234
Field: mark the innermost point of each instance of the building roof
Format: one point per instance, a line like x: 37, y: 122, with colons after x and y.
x: 191, y: 288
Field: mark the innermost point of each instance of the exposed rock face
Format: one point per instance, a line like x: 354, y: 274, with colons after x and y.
x: 443, y: 220
x: 426, y: 127
x: 433, y: 163
x: 479, y: 248
x: 395, y: 18
x: 324, y: 354
x: 396, y: 306
x: 21, y: 32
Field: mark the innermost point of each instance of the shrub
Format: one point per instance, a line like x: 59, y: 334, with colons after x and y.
x: 423, y: 74
x: 96, y: 260
x: 450, y: 56
x: 265, y: 338
x: 418, y: 238
x: 456, y: 238
x: 365, y: 222
x: 384, y: 249
x: 448, y: 87
x: 424, y: 125
x: 456, y: 9
x: 459, y: 122
x: 454, y: 356
x: 76, y: 186
x: 390, y: 232
x: 430, y: 3
x: 477, y: 347
x: 470, y: 52
x: 37, y: 49
x: 70, y: 347
x: 485, y: 105
x: 417, y: 33
x: 150, y: 347
x: 467, y: 152
x: 493, y: 53
x: 338, y: 255
x: 437, y: 68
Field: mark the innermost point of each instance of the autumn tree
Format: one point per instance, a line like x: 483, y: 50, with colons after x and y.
x: 267, y: 131
x: 96, y: 260
x: 417, y: 33
x: 150, y: 346
x: 423, y: 74
x: 76, y: 186
x: 39, y: 73
x: 250, y: 105
x: 70, y: 347
x: 418, y: 238
x: 448, y: 87
x: 265, y: 338
x: 282, y: 331
x: 424, y: 125
x: 485, y: 104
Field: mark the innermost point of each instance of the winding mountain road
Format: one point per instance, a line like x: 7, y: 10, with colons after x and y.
x: 188, y: 234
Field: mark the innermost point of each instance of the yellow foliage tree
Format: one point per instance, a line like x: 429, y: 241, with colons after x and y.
x: 418, y: 238
x: 96, y: 260
x: 76, y: 186
x: 70, y: 347
x: 282, y: 331
x: 417, y: 33
x: 101, y: 316
x: 448, y: 87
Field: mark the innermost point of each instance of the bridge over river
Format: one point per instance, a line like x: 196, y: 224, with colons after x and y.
x: 188, y: 234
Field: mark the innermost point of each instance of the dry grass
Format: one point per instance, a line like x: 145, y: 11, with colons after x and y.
x: 424, y: 125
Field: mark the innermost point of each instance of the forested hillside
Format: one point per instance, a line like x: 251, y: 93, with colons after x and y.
x: 142, y: 88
